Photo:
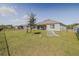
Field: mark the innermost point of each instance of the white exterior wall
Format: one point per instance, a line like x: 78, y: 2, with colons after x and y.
x: 75, y: 29
x: 63, y: 28
x: 56, y: 28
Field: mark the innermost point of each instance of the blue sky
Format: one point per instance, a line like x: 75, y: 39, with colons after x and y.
x: 16, y: 14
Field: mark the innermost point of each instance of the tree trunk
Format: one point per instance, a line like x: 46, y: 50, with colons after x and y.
x: 31, y: 29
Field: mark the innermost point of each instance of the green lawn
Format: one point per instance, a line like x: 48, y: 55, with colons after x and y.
x: 22, y: 43
x: 3, y: 47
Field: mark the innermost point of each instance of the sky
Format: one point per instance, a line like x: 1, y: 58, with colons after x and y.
x: 17, y: 13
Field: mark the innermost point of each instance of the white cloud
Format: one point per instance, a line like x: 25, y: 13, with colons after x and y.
x: 26, y: 18
x: 22, y: 20
x: 7, y: 11
x: 18, y: 22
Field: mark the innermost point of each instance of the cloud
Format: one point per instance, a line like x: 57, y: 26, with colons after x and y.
x: 18, y: 22
x: 23, y: 20
x: 7, y: 11
x: 26, y: 18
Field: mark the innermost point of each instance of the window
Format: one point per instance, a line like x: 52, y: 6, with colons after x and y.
x: 52, y: 26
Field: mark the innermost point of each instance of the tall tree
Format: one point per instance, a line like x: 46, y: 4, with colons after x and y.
x: 32, y: 21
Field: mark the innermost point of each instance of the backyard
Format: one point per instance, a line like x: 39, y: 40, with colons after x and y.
x: 22, y: 43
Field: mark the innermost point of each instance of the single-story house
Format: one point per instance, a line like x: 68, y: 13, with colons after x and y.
x: 51, y: 25
x: 76, y: 28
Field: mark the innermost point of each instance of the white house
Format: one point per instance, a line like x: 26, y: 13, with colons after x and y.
x: 51, y: 25
x: 76, y: 28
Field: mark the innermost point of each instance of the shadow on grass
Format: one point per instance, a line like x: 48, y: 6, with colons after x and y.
x: 37, y: 32
x: 77, y: 34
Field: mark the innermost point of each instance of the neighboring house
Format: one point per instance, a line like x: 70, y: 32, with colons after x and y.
x: 76, y: 28
x: 20, y: 27
x: 51, y: 25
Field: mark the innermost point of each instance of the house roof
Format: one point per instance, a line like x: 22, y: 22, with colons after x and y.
x: 48, y: 21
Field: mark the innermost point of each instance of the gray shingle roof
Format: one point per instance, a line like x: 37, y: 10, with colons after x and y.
x: 48, y: 21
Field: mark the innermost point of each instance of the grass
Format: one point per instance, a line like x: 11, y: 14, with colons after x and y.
x: 22, y: 43
x: 3, y: 47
